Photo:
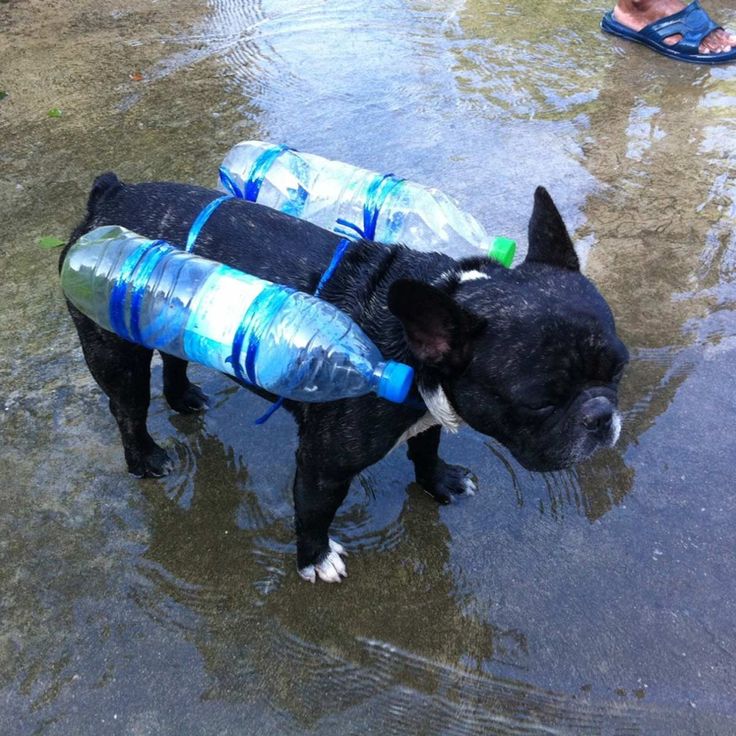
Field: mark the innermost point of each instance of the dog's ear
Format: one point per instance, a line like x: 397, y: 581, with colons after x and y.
x: 439, y: 330
x: 548, y: 238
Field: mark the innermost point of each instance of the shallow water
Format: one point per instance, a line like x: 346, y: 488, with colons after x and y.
x: 597, y: 601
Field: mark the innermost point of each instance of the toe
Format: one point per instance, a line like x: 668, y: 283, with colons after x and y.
x: 337, y: 547
x: 156, y: 464
x: 308, y: 573
x: 470, y: 486
x: 718, y: 42
x: 725, y: 40
x: 331, y: 569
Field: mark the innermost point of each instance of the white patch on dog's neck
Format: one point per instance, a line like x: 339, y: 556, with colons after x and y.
x: 473, y: 275
x: 440, y: 412
x: 425, y: 422
x: 440, y: 408
x: 456, y: 275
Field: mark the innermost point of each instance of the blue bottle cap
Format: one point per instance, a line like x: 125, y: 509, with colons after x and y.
x: 395, y: 381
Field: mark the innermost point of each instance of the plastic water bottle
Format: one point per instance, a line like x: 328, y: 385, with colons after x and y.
x: 356, y: 202
x: 285, y: 341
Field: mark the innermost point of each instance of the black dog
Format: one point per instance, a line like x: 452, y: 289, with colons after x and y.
x: 529, y: 356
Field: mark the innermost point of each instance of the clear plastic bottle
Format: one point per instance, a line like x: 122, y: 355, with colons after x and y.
x: 285, y: 341
x: 356, y: 202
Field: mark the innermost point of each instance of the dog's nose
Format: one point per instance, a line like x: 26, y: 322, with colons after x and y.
x: 597, y: 414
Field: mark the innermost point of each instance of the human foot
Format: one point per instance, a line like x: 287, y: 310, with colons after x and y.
x: 637, y: 14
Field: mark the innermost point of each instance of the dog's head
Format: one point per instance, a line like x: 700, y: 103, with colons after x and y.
x: 529, y: 356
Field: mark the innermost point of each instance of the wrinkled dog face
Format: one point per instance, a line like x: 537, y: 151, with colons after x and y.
x: 543, y: 377
x: 545, y: 367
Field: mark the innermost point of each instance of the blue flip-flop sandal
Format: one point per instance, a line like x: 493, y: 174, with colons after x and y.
x: 692, y: 23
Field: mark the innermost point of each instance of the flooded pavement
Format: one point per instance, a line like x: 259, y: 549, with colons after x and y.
x: 596, y: 601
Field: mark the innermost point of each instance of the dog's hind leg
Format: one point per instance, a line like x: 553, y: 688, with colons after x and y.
x: 181, y: 394
x: 439, y: 479
x: 123, y: 371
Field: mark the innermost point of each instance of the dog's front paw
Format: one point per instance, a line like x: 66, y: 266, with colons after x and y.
x: 190, y: 401
x: 329, y: 566
x: 448, y: 481
x: 154, y: 464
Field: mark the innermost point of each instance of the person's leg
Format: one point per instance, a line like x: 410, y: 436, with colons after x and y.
x: 636, y: 14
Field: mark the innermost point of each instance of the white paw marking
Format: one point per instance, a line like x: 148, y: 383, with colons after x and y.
x: 470, y: 487
x: 331, y: 569
x: 337, y: 547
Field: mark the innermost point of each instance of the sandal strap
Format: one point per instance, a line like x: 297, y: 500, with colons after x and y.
x: 692, y: 23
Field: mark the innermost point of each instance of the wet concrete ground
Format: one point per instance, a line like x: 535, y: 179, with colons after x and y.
x: 598, y: 601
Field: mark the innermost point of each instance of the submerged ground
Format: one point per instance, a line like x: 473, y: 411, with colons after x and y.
x: 598, y: 601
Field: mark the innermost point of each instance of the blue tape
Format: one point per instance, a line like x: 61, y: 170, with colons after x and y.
x: 270, y: 306
x: 116, y: 304
x: 357, y: 231
x: 375, y: 198
x: 254, y: 181
x: 378, y: 191
x: 229, y: 183
x: 270, y: 411
x: 237, y: 349
x: 377, y: 194
x: 259, y: 315
x: 201, y: 219
x: 252, y: 185
x: 139, y: 283
x: 337, y: 256
x: 342, y: 247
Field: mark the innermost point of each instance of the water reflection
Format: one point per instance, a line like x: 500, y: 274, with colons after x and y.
x: 657, y: 226
x: 380, y: 653
x: 528, y: 64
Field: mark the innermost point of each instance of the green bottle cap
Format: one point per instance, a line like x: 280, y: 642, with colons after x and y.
x: 502, y: 250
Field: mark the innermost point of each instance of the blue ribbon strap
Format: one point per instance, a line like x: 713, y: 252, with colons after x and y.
x: 229, y: 183
x: 376, y: 195
x: 258, y: 172
x: 252, y: 184
x: 378, y: 191
x: 337, y: 256
x: 201, y: 219
x: 139, y: 283
x: 254, y: 181
x: 342, y: 247
x: 116, y: 304
x: 258, y: 317
x: 268, y: 307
